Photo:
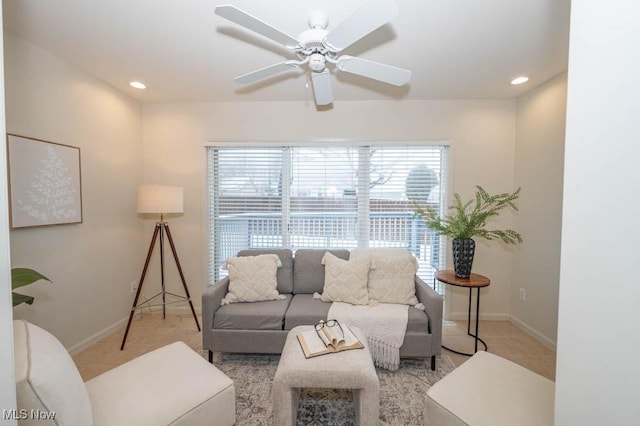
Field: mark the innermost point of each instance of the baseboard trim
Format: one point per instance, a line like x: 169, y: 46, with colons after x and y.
x: 93, y: 339
x: 534, y: 333
x: 462, y: 316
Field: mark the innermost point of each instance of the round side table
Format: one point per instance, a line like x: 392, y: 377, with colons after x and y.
x: 476, y: 281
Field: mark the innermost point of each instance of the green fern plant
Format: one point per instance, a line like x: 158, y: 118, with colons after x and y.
x: 21, y: 277
x: 470, y: 218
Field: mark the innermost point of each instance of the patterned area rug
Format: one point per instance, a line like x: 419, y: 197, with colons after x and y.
x: 402, y: 393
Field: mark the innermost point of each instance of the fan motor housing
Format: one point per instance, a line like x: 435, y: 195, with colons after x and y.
x: 312, y: 39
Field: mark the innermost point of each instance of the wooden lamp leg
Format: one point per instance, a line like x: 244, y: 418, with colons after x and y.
x: 184, y: 282
x: 144, y: 274
x: 161, y: 229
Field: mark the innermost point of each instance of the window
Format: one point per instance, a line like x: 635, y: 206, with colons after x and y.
x: 324, y: 197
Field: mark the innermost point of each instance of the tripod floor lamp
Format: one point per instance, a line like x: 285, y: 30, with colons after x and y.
x: 160, y: 200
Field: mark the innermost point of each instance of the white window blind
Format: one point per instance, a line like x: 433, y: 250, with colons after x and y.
x: 324, y: 197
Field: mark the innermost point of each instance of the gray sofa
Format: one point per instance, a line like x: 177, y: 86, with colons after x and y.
x: 262, y: 327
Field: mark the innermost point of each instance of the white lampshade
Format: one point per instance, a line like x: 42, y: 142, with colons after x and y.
x: 160, y: 199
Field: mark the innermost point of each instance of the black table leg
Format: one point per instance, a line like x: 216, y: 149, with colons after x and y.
x: 477, y: 318
x: 476, y: 335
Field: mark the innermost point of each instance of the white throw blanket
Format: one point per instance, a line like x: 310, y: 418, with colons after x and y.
x: 384, y: 325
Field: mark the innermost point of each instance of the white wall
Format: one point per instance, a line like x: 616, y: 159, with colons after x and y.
x: 539, y: 160
x: 91, y: 264
x: 7, y: 376
x: 598, y: 340
x: 482, y: 136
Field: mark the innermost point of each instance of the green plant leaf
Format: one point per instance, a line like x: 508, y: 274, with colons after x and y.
x: 469, y: 219
x: 25, y: 276
x: 18, y: 298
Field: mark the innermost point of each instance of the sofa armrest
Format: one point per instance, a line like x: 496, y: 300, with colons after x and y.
x: 432, y: 302
x: 211, y: 298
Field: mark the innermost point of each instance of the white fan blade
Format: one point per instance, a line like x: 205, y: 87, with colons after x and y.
x: 265, y: 72
x: 322, y: 87
x: 241, y: 17
x: 375, y: 70
x: 371, y: 15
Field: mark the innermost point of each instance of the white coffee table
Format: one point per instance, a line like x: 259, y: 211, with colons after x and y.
x: 344, y: 370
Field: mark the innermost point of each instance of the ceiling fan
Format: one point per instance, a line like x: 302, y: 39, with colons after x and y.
x: 317, y: 47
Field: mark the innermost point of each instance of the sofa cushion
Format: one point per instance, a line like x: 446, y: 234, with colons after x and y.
x: 252, y: 278
x: 47, y: 379
x: 345, y: 280
x: 267, y: 315
x: 308, y: 270
x: 391, y: 277
x: 285, y: 272
x: 305, y: 310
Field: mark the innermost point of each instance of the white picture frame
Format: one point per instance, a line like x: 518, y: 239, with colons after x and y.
x: 44, y: 183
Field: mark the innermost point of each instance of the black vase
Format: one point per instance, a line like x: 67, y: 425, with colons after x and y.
x: 463, y: 250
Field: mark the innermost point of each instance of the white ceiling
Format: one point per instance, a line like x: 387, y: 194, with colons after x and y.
x: 456, y: 49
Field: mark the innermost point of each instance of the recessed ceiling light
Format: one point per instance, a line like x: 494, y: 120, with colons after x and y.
x: 519, y: 80
x: 137, y: 85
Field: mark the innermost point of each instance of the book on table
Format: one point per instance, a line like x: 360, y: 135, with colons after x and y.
x: 327, y: 341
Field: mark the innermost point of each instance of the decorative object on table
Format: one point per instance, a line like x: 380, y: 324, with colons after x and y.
x: 44, y: 183
x: 463, y: 250
x: 21, y: 277
x: 470, y: 220
x: 160, y: 200
x: 327, y: 337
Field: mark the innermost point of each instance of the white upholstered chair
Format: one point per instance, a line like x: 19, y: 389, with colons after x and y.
x: 172, y: 385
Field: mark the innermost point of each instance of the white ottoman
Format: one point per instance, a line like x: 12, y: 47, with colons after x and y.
x: 170, y: 385
x: 490, y: 390
x: 344, y: 370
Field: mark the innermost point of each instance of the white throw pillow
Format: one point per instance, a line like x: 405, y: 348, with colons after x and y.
x: 392, y: 275
x: 345, y: 281
x: 253, y: 278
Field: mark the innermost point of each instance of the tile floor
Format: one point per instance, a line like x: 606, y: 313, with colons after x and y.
x: 150, y: 331
x: 503, y: 339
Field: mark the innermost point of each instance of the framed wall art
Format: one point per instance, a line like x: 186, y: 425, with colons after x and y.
x: 44, y: 182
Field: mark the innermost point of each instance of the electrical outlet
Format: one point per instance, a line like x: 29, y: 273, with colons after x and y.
x: 134, y: 286
x: 523, y: 294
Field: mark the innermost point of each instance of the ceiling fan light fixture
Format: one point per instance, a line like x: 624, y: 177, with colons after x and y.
x: 317, y: 47
x: 137, y: 85
x: 316, y: 62
x: 519, y: 80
